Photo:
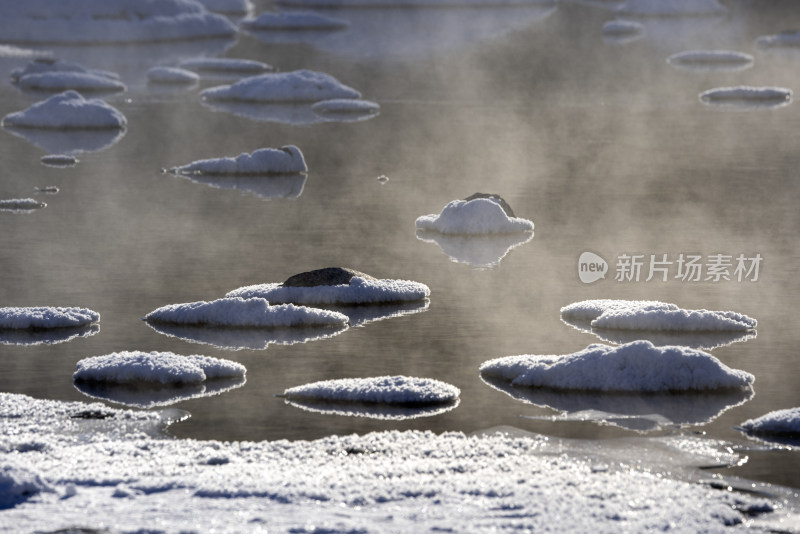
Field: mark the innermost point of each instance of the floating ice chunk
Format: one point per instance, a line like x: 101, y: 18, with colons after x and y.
x: 474, y: 216
x: 67, y: 110
x: 744, y: 96
x: 18, y: 484
x: 226, y: 67
x: 109, y: 21
x: 637, y: 366
x: 285, y: 160
x: 50, y: 65
x: 47, y: 190
x: 654, y: 316
x: 59, y: 160
x: 788, y: 39
x: 402, y: 390
x: 78, y: 81
x: 21, y: 205
x: 46, y: 317
x: 231, y: 8
x: 622, y: 31
x: 296, y: 86
x: 244, y: 312
x: 717, y: 60
x: 294, y: 21
x: 672, y: 8
x: 780, y: 422
x: 335, y: 285
x: 346, y: 109
x: 171, y: 75
x: 133, y: 367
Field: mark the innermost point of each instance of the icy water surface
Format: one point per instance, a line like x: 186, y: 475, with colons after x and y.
x: 603, y: 144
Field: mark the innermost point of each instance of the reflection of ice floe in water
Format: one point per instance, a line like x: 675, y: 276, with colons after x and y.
x: 247, y: 338
x: 346, y: 109
x: 302, y: 114
x: 779, y: 427
x: 171, y: 76
x: 46, y: 337
x: 672, y: 8
x: 639, y: 411
x: 237, y: 312
x: 155, y: 378
x: 654, y: 316
x: 46, y: 317
x: 285, y: 160
x: 294, y: 21
x: 413, y: 30
x: 359, y: 315
x: 109, y: 22
x: 711, y: 60
x: 384, y: 397
x: 483, y: 251
x: 622, y: 31
x: 68, y: 142
x: 372, y: 411
x: 639, y: 366
x: 54, y: 82
x: 747, y: 97
x: 266, y: 186
x: 152, y: 396
x: 21, y: 205
x: 226, y: 68
x: 697, y: 340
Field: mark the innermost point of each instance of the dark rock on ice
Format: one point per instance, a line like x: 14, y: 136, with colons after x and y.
x: 503, y: 204
x: 329, y: 276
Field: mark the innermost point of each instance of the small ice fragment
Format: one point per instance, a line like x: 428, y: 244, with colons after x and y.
x: 59, y: 160
x: 21, y: 205
x: 401, y: 390
x: 226, y: 66
x: 748, y: 96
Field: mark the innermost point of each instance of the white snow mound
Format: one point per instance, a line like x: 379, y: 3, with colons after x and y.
x: 358, y: 291
x: 296, y: 86
x: 134, y: 367
x: 778, y: 423
x: 639, y: 366
x: 284, y: 160
x: 67, y: 110
x: 479, y: 216
x: 244, y: 312
x: 46, y: 317
x: 655, y: 316
x: 382, y: 389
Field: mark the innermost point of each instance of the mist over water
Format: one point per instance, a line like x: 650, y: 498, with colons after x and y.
x: 604, y: 146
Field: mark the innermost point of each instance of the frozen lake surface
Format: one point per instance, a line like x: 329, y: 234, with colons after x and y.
x: 603, y: 144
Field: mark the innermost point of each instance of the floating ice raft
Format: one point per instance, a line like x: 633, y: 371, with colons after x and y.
x: 654, y: 315
x: 335, y: 285
x: 672, y: 8
x: 252, y: 312
x: 711, y: 60
x: 41, y: 317
x: 396, y: 390
x: 51, y: 65
x: 171, y: 75
x: 748, y: 96
x: 479, y: 214
x: 284, y: 160
x: 135, y: 367
x: 780, y: 423
x: 296, y: 86
x: 635, y: 367
x: 78, y: 81
x: 109, y: 21
x: 223, y: 66
x: 294, y: 21
x: 67, y: 111
x: 21, y: 204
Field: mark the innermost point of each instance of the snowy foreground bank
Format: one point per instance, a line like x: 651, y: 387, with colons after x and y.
x: 87, y: 467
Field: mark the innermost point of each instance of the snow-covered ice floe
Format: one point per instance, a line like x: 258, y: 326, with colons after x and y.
x: 779, y: 426
x: 223, y: 67
x: 382, y: 397
x: 90, y: 22
x: 146, y: 380
x: 246, y: 338
x: 479, y: 251
x: 59, y: 160
x: 639, y: 366
x: 637, y: 411
x: 622, y: 31
x: 171, y: 76
x: 335, y: 285
x: 62, y: 81
x: 652, y: 315
x: 42, y: 317
x: 479, y: 214
x: 346, y: 109
x: 285, y: 160
x: 295, y: 86
x: 249, y: 312
x: 747, y: 97
x: 85, y: 466
x: 294, y: 21
x: 49, y: 65
x: 711, y: 60
x: 671, y: 8
x: 66, y: 111
x: 21, y: 205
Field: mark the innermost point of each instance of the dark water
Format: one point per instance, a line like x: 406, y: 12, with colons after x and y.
x: 605, y: 146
